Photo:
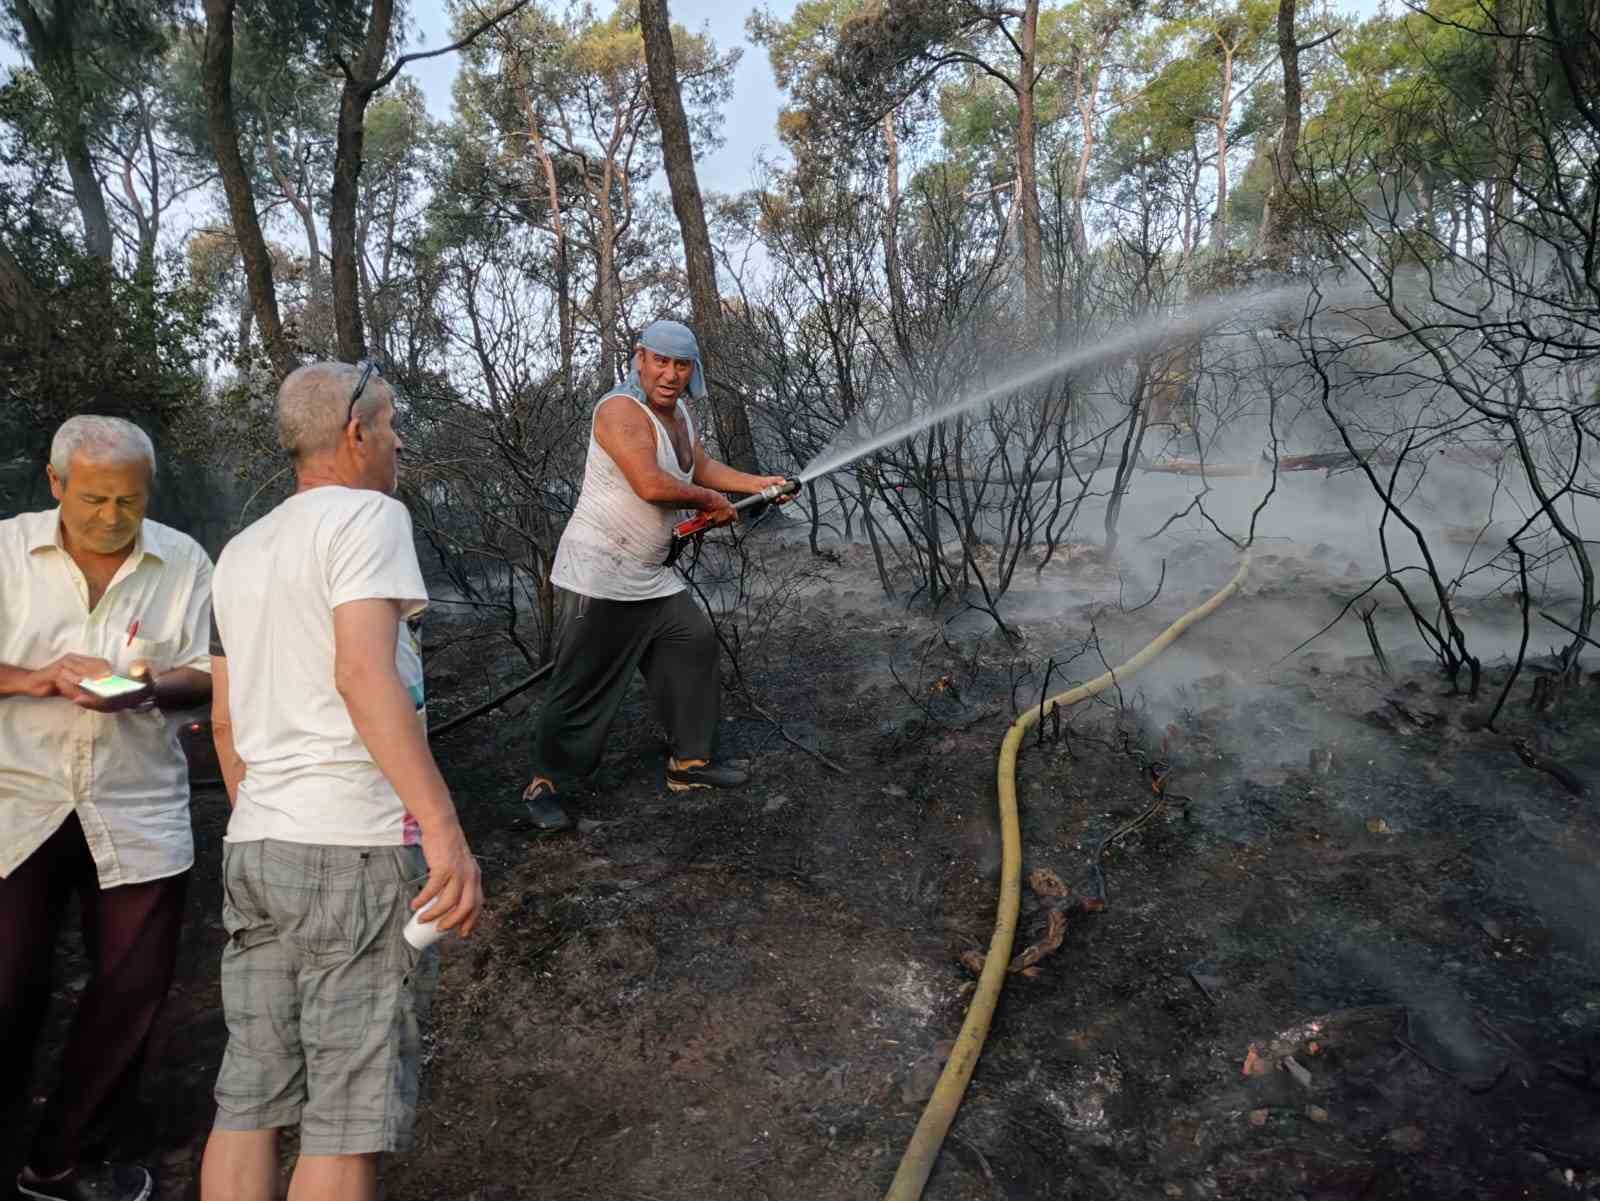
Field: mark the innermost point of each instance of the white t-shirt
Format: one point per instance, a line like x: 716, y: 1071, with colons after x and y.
x: 308, y: 776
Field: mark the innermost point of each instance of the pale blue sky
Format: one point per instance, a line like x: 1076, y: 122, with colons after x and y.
x: 750, y: 120
x: 749, y: 123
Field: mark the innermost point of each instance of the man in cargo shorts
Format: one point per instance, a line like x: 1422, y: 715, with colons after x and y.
x: 339, y: 812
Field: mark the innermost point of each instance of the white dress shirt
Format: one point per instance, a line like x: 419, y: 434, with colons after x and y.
x: 124, y: 774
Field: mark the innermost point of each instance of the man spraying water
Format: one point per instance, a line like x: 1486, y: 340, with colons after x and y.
x: 620, y: 607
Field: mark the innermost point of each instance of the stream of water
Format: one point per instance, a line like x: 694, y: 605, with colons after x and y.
x: 1118, y: 341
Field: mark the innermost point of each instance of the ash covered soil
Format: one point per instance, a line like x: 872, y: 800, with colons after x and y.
x: 1353, y: 950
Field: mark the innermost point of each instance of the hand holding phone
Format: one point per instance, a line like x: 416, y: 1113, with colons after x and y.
x: 112, y: 693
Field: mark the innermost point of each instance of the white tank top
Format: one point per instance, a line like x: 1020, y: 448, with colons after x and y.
x: 615, y: 544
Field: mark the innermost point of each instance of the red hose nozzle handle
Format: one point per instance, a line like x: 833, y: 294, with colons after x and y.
x: 701, y: 522
x: 698, y: 524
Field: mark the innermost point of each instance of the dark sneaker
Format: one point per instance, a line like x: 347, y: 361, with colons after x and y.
x: 92, y: 1182
x: 544, y: 810
x: 727, y: 774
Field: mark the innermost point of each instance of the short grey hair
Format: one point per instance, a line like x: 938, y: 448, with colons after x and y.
x: 313, y: 401
x: 100, y: 440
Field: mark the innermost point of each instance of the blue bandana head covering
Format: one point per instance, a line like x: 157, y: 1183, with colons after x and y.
x: 675, y: 340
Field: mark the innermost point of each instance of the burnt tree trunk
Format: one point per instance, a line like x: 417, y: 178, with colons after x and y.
x: 733, y: 424
x: 898, y: 308
x: 1275, y: 216
x: 149, y: 223
x: 565, y: 317
x: 364, y: 78
x: 299, y: 199
x: 1027, y: 167
x: 217, y: 80
x: 1138, y: 422
x: 607, y: 284
x: 50, y: 47
x: 360, y: 84
x: 1219, y: 228
x: 1087, y: 98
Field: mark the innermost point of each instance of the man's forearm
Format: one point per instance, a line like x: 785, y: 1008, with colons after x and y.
x: 722, y: 478
x: 14, y: 681
x: 663, y: 489
x: 227, y: 759
x: 386, y: 721
x: 182, y: 688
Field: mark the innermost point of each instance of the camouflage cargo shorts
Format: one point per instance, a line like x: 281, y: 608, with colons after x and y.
x: 322, y: 994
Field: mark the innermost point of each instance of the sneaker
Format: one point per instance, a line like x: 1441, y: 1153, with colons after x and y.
x: 91, y: 1182
x: 726, y: 774
x: 544, y: 810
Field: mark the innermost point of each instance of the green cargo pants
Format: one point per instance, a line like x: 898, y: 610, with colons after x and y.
x: 599, y: 643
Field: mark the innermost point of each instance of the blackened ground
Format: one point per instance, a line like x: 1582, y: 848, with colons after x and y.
x: 1380, y: 980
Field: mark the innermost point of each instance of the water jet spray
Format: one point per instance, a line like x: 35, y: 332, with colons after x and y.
x: 1125, y: 339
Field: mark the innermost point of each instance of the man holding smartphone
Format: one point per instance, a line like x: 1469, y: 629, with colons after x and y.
x: 94, y: 792
x: 339, y: 812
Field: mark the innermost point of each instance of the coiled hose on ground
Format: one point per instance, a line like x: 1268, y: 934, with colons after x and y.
x: 917, y: 1162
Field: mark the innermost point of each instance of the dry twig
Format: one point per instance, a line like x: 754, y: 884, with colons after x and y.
x: 792, y: 741
x: 515, y: 690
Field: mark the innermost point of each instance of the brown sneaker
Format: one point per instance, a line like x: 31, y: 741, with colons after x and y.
x: 727, y: 774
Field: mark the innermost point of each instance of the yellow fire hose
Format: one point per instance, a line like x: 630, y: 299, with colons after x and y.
x: 917, y: 1162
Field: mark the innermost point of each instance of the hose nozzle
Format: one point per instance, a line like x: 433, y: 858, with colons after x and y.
x: 694, y: 526
x: 773, y: 492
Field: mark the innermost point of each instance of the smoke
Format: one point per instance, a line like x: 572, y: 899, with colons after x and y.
x: 1439, y: 1018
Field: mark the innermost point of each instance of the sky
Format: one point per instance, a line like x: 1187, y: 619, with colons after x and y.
x: 749, y: 124
x: 750, y: 120
x: 749, y: 127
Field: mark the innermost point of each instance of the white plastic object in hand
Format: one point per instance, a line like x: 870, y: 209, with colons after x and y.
x: 421, y: 933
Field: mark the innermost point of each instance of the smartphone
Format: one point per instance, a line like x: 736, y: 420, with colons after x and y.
x: 109, y: 687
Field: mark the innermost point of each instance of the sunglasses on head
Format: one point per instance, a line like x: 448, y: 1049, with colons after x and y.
x: 369, y: 368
